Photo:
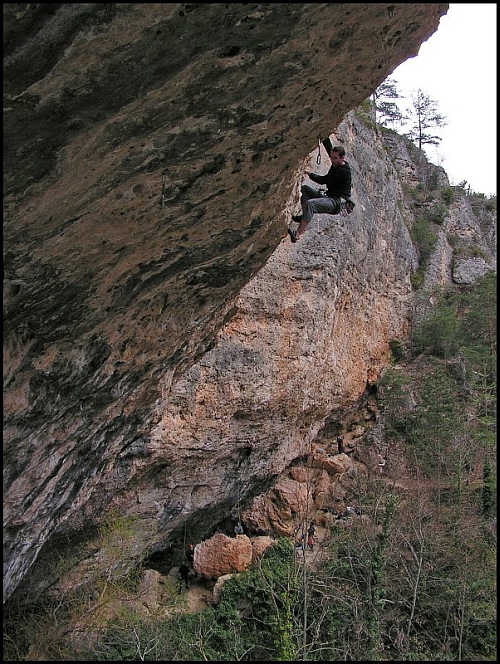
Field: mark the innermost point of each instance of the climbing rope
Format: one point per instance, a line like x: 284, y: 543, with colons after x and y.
x: 318, y: 157
x: 238, y: 487
x: 163, y: 182
x: 318, y: 161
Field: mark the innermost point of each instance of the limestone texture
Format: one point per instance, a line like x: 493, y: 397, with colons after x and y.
x: 167, y: 353
x: 221, y: 555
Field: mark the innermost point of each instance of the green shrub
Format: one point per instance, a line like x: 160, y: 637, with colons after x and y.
x: 424, y: 239
x: 417, y: 279
x: 398, y: 349
x: 448, y: 195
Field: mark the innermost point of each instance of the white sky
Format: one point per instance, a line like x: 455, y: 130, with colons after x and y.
x: 456, y: 68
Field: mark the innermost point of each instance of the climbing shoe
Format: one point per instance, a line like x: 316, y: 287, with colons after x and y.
x: 297, y: 218
x: 292, y: 234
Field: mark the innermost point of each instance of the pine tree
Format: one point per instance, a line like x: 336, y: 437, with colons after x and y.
x: 424, y: 114
x: 385, y: 110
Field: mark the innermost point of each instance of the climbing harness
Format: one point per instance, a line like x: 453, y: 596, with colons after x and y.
x: 346, y: 207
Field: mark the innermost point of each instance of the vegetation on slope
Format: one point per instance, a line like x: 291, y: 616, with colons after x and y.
x: 413, y: 579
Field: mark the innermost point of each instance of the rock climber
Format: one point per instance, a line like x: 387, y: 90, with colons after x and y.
x: 184, y: 574
x: 380, y: 462
x: 190, y: 554
x: 337, y: 199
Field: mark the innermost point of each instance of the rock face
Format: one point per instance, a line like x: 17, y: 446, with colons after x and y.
x: 221, y: 555
x: 166, y: 354
x: 259, y: 545
x: 303, y: 494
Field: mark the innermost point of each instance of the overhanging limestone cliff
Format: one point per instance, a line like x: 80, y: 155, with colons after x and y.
x: 150, y: 154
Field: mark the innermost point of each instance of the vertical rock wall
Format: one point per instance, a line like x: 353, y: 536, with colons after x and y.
x: 150, y: 155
